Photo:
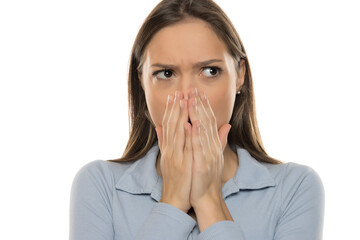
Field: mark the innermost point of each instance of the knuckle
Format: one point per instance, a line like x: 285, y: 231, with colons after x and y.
x: 196, y: 144
x: 203, y: 128
x: 212, y: 119
x: 180, y: 125
x: 199, y: 168
x: 214, y: 151
x: 167, y: 154
x: 164, y: 121
x: 204, y: 123
x: 171, y: 123
x: 177, y: 140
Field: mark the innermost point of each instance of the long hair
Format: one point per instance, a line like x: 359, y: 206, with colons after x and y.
x: 142, y: 135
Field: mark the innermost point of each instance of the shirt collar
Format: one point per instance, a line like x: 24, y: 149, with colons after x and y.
x: 142, y: 177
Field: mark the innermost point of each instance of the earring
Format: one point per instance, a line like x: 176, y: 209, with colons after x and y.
x: 238, y: 93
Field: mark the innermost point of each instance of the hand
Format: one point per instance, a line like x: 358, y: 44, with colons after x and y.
x: 208, y: 146
x: 176, y: 153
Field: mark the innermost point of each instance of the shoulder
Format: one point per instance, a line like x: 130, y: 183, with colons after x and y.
x: 101, y: 172
x: 301, y: 201
x: 291, y: 171
x: 297, y: 181
x: 291, y: 174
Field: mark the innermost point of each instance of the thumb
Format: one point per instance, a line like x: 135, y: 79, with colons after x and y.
x: 223, y: 134
x: 158, y: 130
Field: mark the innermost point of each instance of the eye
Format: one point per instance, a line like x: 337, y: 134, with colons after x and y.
x: 212, y: 71
x: 163, y: 74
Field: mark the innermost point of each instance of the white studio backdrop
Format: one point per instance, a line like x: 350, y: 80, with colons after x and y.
x: 63, y: 98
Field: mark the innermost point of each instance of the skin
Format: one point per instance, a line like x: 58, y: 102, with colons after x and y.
x: 193, y: 163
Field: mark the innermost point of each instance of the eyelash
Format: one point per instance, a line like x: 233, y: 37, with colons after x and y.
x: 218, y: 69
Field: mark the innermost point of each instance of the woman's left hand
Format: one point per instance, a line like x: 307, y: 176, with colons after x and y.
x: 208, y: 146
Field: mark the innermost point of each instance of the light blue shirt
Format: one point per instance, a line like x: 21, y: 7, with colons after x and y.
x: 267, y: 201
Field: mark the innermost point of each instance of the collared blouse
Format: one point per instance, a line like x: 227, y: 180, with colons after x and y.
x: 120, y: 201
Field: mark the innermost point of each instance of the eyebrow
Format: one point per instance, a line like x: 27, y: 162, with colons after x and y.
x: 199, y: 64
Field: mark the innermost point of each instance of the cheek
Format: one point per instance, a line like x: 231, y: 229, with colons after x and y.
x: 156, y: 104
x: 222, y: 107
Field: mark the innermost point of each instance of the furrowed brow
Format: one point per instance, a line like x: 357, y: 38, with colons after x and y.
x: 199, y: 64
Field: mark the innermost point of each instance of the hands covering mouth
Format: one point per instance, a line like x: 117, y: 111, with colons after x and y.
x: 192, y: 157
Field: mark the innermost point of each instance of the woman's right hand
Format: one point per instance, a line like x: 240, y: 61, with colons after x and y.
x: 176, y: 153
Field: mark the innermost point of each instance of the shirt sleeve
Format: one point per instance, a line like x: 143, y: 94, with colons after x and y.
x: 166, y: 222
x: 302, y: 211
x: 90, y: 204
x: 224, y: 230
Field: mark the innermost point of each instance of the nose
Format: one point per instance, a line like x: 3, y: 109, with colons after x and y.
x: 189, y: 92
x: 187, y: 86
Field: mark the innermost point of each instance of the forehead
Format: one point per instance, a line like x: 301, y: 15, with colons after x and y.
x: 186, y: 42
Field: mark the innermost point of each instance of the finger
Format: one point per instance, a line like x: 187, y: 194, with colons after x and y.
x: 188, y: 154
x: 172, y: 121
x: 223, y: 134
x: 197, y: 144
x: 197, y: 112
x: 206, y: 140
x: 169, y: 104
x: 211, y: 116
x: 159, y: 136
x: 203, y: 116
x: 192, y: 109
x: 180, y: 130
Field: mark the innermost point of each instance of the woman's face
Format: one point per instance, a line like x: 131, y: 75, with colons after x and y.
x: 185, y: 56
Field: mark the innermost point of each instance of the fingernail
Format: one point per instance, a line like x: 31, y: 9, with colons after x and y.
x: 172, y: 97
x: 181, y: 103
x: 203, y: 96
x: 194, y: 102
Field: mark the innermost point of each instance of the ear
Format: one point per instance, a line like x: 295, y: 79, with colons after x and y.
x: 241, y: 75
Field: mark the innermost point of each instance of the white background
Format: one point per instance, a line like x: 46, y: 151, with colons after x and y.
x: 63, y: 98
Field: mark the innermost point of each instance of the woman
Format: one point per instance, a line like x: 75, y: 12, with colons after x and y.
x: 184, y: 174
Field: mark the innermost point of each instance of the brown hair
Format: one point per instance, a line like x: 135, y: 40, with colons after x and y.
x: 142, y: 135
